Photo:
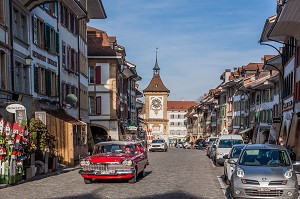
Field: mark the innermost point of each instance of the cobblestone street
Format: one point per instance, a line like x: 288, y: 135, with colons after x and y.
x: 178, y: 173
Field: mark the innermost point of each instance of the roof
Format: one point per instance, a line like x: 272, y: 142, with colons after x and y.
x: 99, y: 43
x: 156, y: 85
x: 180, y: 105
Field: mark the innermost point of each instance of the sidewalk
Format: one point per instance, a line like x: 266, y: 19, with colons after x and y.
x: 60, y: 169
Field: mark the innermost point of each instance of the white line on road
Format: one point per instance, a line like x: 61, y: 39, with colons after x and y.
x: 223, y: 186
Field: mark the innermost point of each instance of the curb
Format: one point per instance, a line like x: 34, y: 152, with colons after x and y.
x: 38, y: 177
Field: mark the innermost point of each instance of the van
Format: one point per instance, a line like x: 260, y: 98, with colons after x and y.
x: 223, y: 146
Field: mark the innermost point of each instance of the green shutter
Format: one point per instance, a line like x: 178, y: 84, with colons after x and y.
x: 36, y: 79
x: 57, y: 42
x: 34, y: 31
x: 58, y: 85
x: 47, y: 36
x: 48, y: 82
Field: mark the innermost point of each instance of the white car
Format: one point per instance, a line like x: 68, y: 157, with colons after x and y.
x: 233, y: 155
x: 179, y: 145
x: 187, y: 145
x: 158, y: 145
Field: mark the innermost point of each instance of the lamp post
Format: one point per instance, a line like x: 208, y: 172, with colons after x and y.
x: 28, y: 60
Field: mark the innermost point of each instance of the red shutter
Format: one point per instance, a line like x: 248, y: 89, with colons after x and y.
x: 98, y: 105
x: 98, y: 75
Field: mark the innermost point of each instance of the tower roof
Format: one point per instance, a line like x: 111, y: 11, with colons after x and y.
x: 156, y: 85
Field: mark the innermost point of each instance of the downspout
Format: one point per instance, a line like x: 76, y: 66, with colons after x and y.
x: 78, y: 65
x: 12, y: 46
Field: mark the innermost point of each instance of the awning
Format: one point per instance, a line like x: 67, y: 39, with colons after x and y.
x: 274, y: 61
x: 245, y: 131
x: 288, y: 21
x: 270, y: 22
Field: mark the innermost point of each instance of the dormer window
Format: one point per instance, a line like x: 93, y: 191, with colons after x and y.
x: 156, y: 85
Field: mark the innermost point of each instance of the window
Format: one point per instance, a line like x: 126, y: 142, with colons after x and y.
x: 172, y: 123
x: 20, y: 25
x: 22, y: 84
x: 92, y: 105
x: 91, y: 75
x: 172, y: 116
x: 2, y: 10
x: 51, y: 9
x: 42, y: 81
x: 63, y: 49
x: 68, y: 19
x: 80, y: 134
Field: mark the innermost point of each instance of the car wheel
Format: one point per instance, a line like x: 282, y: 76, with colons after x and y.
x: 142, y: 174
x: 88, y: 180
x: 133, y: 180
x: 166, y: 150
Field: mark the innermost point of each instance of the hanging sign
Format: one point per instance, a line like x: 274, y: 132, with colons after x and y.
x: 13, y: 107
x: 20, y: 116
x: 41, y: 115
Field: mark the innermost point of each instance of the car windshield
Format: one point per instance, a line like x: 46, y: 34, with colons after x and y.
x: 158, y: 141
x: 229, y: 143
x: 236, y: 151
x: 114, y: 149
x: 264, y: 157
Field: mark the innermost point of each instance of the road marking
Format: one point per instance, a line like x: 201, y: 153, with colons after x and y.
x: 223, y: 186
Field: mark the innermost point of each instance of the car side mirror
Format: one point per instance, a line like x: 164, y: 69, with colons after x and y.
x: 226, y: 156
x: 230, y: 161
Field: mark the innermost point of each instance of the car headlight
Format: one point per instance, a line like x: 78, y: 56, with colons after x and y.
x: 240, y: 173
x: 288, y: 174
x: 127, y: 162
x: 85, y: 163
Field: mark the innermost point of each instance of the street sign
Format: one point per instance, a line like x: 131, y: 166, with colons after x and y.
x: 13, y: 107
x: 41, y: 115
x: 20, y: 116
x: 276, y: 119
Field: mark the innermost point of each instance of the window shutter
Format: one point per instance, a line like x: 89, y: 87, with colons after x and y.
x: 35, y: 33
x: 48, y: 82
x: 36, y: 79
x: 62, y: 14
x: 76, y: 62
x: 63, y: 49
x: 55, y: 10
x: 98, y: 105
x: 46, y: 6
x: 47, y: 36
x: 63, y: 92
x: 72, y: 60
x: 98, y: 75
x: 57, y: 42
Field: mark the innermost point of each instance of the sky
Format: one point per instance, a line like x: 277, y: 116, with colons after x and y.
x: 196, y: 39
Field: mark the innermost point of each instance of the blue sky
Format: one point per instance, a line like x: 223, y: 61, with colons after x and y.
x: 196, y: 39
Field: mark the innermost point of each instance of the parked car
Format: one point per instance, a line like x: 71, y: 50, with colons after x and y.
x: 187, y: 145
x: 199, y: 142
x: 115, y: 160
x: 223, y: 146
x: 264, y: 171
x: 158, y: 145
x: 233, y: 155
x: 210, y: 149
x: 211, y: 139
x: 179, y: 145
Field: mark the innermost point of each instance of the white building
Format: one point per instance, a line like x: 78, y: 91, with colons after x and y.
x: 177, y: 125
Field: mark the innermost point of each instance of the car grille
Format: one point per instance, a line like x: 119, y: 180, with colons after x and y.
x: 155, y: 145
x: 246, y: 181
x: 271, y: 193
x: 278, y: 182
x: 105, y: 167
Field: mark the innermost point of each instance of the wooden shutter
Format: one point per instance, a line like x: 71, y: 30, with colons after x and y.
x: 62, y: 14
x: 35, y: 31
x: 72, y: 60
x: 63, y: 92
x: 98, y: 105
x: 47, y: 36
x: 98, y: 75
x: 63, y: 49
x: 36, y: 79
x: 48, y: 82
x: 57, y: 42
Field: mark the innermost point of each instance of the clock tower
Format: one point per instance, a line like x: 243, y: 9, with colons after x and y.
x: 156, y: 98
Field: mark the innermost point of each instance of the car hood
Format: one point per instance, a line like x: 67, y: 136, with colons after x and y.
x: 259, y: 172
x: 109, y: 158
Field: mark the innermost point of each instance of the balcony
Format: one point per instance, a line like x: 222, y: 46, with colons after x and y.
x: 229, y: 114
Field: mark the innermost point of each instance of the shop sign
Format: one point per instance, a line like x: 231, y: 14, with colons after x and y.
x: 41, y: 115
x: 288, y: 104
x: 13, y: 107
x: 276, y: 119
x: 20, y: 116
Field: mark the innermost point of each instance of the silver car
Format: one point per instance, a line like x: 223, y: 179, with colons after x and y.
x: 264, y: 171
x: 233, y: 155
x: 210, y: 149
x: 158, y: 145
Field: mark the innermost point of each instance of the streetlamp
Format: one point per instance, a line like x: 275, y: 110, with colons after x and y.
x: 28, y: 60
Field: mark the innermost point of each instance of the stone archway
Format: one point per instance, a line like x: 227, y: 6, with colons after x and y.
x: 99, y: 134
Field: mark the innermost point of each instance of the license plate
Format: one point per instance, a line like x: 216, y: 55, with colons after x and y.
x: 107, y: 172
x: 264, y: 189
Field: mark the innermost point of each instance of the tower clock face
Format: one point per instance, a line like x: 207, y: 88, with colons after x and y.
x: 156, y: 104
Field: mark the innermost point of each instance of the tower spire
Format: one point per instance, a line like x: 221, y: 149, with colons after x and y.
x: 156, y: 68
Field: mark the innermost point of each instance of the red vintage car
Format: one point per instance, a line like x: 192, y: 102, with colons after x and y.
x: 115, y: 160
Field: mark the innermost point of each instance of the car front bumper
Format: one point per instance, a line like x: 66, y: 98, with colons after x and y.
x: 160, y: 148
x: 117, y: 174
x: 266, y: 192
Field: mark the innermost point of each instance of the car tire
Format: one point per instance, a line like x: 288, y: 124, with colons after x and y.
x: 166, y: 150
x: 133, y: 180
x: 142, y: 174
x: 88, y: 181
